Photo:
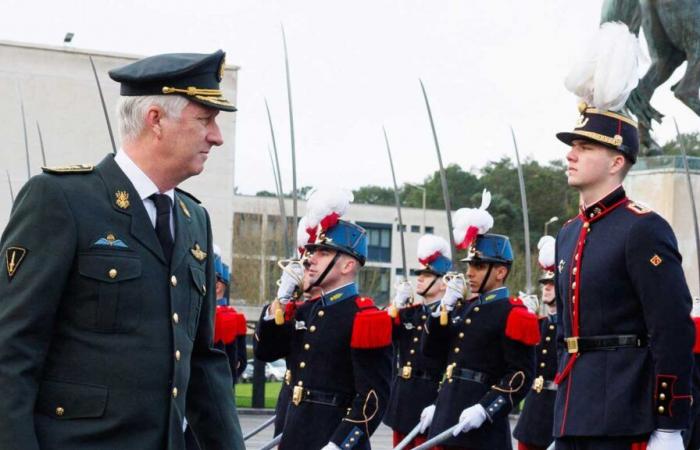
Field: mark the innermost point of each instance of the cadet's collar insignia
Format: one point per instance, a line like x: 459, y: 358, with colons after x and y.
x: 562, y: 263
x: 13, y: 258
x: 638, y: 208
x: 122, y: 199
x: 496, y: 294
x: 111, y: 241
x: 197, y: 252
x: 183, y: 207
x: 610, y: 201
x: 338, y: 295
x: 335, y: 297
x: 656, y: 260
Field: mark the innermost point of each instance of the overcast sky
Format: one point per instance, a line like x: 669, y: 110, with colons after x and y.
x: 355, y: 67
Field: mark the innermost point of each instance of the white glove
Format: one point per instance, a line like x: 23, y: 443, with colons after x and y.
x: 292, y: 275
x: 330, y: 446
x: 530, y: 301
x: 471, y: 418
x: 696, y: 308
x: 665, y: 440
x: 404, y: 291
x: 454, y: 292
x: 426, y: 418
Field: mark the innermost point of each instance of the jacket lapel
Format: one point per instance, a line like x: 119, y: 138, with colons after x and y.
x: 125, y: 200
x: 183, y: 236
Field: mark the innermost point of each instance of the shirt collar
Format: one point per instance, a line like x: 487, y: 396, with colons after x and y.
x: 143, y: 185
x: 609, y: 201
x: 339, y: 294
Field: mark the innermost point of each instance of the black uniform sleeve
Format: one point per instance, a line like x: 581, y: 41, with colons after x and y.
x: 271, y: 341
x: 654, y: 266
x: 43, y: 232
x: 435, y: 338
x: 211, y: 411
x: 241, y: 356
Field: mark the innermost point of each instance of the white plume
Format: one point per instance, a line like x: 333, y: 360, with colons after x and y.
x: 429, y: 244
x: 546, y: 246
x: 478, y: 219
x: 323, y: 202
x: 302, y: 234
x: 609, y: 69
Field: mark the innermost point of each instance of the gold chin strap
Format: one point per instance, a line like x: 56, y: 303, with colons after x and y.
x: 193, y: 91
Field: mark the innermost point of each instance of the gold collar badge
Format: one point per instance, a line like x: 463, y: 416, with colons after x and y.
x: 197, y: 252
x: 184, y: 208
x: 122, y: 199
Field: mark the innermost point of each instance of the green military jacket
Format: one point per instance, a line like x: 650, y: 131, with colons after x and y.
x: 103, y: 346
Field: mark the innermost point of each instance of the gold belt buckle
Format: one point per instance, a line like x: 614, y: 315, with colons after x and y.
x: 572, y: 344
x: 297, y: 394
x: 288, y: 377
x: 538, y: 385
x: 449, y: 370
x: 406, y: 372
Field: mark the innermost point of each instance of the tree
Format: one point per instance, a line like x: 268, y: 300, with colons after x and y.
x: 374, y: 195
x: 692, y: 145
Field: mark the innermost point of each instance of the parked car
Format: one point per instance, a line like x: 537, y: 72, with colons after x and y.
x: 274, y: 371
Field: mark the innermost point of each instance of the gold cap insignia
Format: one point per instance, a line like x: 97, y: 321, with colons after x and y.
x: 13, y: 258
x: 221, y: 69
x: 197, y: 252
x: 656, y: 260
x: 183, y: 207
x: 122, y: 199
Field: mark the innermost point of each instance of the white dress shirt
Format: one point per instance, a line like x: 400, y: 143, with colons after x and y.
x: 144, y: 186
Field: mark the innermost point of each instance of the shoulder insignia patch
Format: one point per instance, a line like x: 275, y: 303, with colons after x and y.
x: 638, y: 208
x: 75, y: 168
x: 656, y: 260
x: 13, y: 258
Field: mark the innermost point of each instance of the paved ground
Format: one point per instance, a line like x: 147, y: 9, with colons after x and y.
x: 381, y: 440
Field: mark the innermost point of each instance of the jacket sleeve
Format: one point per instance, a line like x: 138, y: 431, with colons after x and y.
x: 371, y: 362
x: 654, y: 266
x: 42, y: 230
x: 271, y: 341
x: 241, y: 356
x: 435, y: 338
x: 211, y: 410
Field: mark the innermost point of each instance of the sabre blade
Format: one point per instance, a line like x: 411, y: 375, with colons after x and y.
x: 104, y: 106
x: 398, y: 207
x: 526, y: 220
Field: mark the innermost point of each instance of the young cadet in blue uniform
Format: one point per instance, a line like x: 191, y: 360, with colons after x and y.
x: 340, y: 345
x: 418, y: 376
x: 488, y: 343
x: 534, y: 428
x: 119, y: 349
x: 624, y: 306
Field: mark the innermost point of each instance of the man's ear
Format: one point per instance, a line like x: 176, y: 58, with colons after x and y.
x: 154, y: 116
x: 501, y: 272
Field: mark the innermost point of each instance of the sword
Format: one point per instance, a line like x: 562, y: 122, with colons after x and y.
x: 291, y: 130
x: 277, y: 439
x: 278, y: 183
x: 264, y: 425
x: 439, y: 439
x: 526, y: 220
x: 41, y: 143
x: 681, y: 142
x: 9, y: 182
x: 398, y: 207
x: 443, y: 177
x: 104, y: 107
x: 24, y: 128
x: 409, y: 437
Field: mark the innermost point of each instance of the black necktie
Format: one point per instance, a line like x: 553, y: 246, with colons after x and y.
x: 163, y: 208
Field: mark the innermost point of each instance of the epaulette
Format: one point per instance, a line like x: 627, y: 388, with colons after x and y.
x: 638, y: 208
x: 241, y: 325
x: 73, y: 169
x: 696, y: 347
x: 522, y: 325
x: 372, y: 327
x: 225, y: 324
x: 196, y: 200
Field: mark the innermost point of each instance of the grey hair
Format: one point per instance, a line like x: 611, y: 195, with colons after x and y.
x: 131, y: 112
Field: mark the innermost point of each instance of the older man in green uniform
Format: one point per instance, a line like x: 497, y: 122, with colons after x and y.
x: 107, y: 297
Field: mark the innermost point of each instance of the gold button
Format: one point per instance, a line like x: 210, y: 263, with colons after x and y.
x: 312, y: 328
x: 413, y: 352
x: 468, y: 321
x: 112, y: 273
x: 586, y: 224
x: 573, y: 285
x: 574, y: 270
x: 176, y: 318
x: 664, y: 384
x: 357, y: 433
x: 321, y: 313
x: 456, y: 349
x: 300, y: 383
x: 408, y: 363
x: 576, y: 257
x: 307, y: 346
x: 173, y: 280
x: 177, y: 355
x: 548, y: 338
x: 661, y: 410
x: 60, y: 411
x: 302, y: 364
x: 662, y: 396
x: 542, y: 364
x: 423, y: 317
x: 544, y: 351
x: 415, y: 339
x: 174, y: 392
x: 476, y: 309
x: 419, y: 327
x: 551, y: 327
x: 461, y: 335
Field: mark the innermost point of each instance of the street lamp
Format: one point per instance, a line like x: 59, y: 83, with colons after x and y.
x: 546, y: 224
x: 423, y: 190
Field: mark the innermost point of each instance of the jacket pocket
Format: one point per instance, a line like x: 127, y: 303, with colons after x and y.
x: 110, y: 301
x: 197, y: 294
x: 65, y: 400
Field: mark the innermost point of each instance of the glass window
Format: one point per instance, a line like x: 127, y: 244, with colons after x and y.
x: 415, y: 228
x: 429, y: 230
x: 379, y: 241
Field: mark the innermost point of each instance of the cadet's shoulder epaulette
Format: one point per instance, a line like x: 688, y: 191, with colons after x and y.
x: 638, y: 208
x: 696, y: 347
x: 241, y: 324
x: 225, y: 324
x: 73, y: 169
x: 569, y: 221
x: 195, y: 199
x: 372, y: 327
x: 522, y: 325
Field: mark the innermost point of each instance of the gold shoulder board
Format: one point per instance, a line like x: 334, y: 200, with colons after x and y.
x: 638, y: 208
x: 75, y: 168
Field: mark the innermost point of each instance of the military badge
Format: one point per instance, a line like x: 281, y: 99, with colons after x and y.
x: 198, y: 253
x: 222, y: 67
x: 13, y: 258
x: 562, y: 263
x: 656, y: 260
x: 300, y: 325
x: 122, y: 199
x: 335, y: 297
x: 183, y: 207
x: 111, y: 241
